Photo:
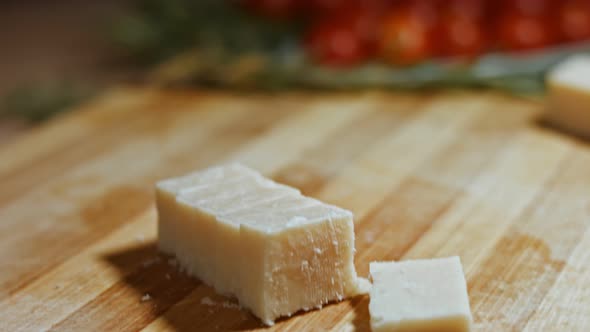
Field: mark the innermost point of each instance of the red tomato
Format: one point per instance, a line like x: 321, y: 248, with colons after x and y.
x: 364, y: 21
x: 336, y: 42
x: 517, y: 32
x: 425, y: 10
x: 274, y: 8
x: 529, y: 7
x: 326, y: 5
x: 574, y: 20
x: 405, y: 38
x: 323, y: 7
x: 466, y: 9
x: 461, y: 37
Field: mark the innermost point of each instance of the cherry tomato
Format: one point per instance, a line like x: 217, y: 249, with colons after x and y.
x: 323, y: 7
x: 574, y: 20
x: 336, y: 42
x: 330, y: 6
x: 424, y: 10
x: 460, y: 36
x: 466, y: 9
x: 277, y: 9
x: 529, y: 7
x: 326, y: 5
x: 405, y: 37
x: 519, y: 32
x: 365, y: 22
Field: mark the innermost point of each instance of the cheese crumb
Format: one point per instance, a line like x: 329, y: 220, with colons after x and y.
x: 226, y: 304
x: 207, y: 301
x: 151, y: 262
x: 304, y: 265
x: 230, y: 305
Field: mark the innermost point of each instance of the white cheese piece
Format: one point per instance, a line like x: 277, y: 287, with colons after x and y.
x: 420, y: 295
x: 568, y: 95
x: 275, y: 250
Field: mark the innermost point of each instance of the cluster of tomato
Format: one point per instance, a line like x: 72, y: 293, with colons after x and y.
x: 405, y: 32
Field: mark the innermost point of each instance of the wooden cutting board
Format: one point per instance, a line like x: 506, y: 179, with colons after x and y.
x: 426, y: 175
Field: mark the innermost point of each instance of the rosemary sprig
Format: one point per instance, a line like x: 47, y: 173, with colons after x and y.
x: 39, y: 102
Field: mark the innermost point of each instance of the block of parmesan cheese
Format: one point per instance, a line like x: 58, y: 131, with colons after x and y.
x: 568, y: 95
x: 418, y: 296
x: 274, y: 249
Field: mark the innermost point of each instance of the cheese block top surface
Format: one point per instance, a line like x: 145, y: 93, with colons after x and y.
x: 276, y: 220
x: 238, y: 195
x: 418, y: 290
x: 256, y: 198
x: 574, y: 72
x: 233, y: 188
x: 208, y: 177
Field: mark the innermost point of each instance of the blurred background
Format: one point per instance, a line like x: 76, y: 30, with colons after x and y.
x: 55, y: 54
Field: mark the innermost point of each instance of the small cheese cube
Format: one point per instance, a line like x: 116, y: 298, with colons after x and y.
x: 277, y: 251
x: 420, y: 295
x: 568, y: 95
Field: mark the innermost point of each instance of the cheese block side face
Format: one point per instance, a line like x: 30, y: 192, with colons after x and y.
x: 421, y: 295
x: 569, y: 108
x: 253, y: 246
x: 220, y: 190
x: 568, y: 96
x: 301, y: 267
x: 166, y: 203
x: 186, y: 231
x: 171, y: 216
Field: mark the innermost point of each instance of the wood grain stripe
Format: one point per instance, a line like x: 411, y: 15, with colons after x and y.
x: 490, y: 206
x: 55, y: 148
x: 371, y: 176
x: 68, y: 128
x: 532, y: 255
x: 564, y: 307
x: 135, y: 293
x: 412, y: 208
x: 70, y: 285
x: 287, y: 141
x: 320, y: 163
x: 101, y: 214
